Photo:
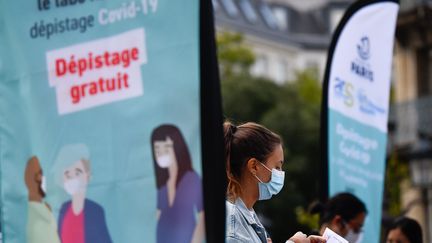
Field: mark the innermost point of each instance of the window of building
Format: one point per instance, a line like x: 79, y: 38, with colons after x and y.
x: 424, y: 72
x: 335, y: 17
x: 280, y: 15
x: 268, y: 16
x: 230, y: 7
x: 248, y: 10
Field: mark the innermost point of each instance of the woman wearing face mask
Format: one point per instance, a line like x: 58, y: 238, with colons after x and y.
x: 405, y: 230
x: 180, y: 211
x: 254, y: 158
x: 344, y: 213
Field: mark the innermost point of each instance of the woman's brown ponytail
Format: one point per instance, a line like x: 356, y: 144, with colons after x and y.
x: 233, y: 189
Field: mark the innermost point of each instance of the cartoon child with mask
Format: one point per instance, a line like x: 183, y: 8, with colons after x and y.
x: 180, y: 211
x: 81, y: 220
x: 41, y: 225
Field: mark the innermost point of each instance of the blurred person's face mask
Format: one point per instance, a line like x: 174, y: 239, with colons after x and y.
x: 273, y: 187
x: 352, y: 236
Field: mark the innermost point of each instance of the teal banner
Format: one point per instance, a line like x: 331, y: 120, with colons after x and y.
x: 100, y: 124
x: 356, y: 107
x: 357, y: 155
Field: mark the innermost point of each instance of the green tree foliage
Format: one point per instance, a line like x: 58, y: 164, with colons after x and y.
x: 234, y: 56
x: 291, y: 110
x: 306, y: 218
x: 246, y: 98
x: 396, y: 172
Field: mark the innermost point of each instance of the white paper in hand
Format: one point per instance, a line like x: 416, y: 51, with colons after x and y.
x: 332, y: 237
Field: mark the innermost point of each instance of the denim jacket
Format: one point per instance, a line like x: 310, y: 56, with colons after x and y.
x: 240, y: 223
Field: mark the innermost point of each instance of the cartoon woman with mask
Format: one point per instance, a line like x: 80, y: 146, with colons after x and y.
x: 180, y: 211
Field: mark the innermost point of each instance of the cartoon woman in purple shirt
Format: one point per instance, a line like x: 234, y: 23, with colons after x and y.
x: 180, y: 211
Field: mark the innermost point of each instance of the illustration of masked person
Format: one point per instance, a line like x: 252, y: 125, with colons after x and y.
x: 81, y: 220
x: 180, y: 211
x: 41, y: 225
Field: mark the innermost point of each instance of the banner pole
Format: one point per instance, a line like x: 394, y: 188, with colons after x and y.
x: 214, y: 176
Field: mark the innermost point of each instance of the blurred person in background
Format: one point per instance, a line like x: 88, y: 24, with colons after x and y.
x: 344, y: 213
x: 404, y: 230
x: 254, y: 158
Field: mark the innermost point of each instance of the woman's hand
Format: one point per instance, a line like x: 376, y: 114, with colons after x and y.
x: 299, y: 237
x: 316, y: 239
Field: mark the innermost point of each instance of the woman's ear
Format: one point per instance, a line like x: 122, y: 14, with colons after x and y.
x: 252, y: 165
x: 338, y: 223
x: 337, y: 220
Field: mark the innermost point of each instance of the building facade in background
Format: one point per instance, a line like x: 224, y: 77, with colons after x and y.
x: 285, y: 35
x: 411, y: 115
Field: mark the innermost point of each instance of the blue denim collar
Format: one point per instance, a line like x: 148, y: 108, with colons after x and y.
x: 246, y: 212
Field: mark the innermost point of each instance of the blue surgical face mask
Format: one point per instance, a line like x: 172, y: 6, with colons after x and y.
x: 273, y: 187
x: 352, y: 236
